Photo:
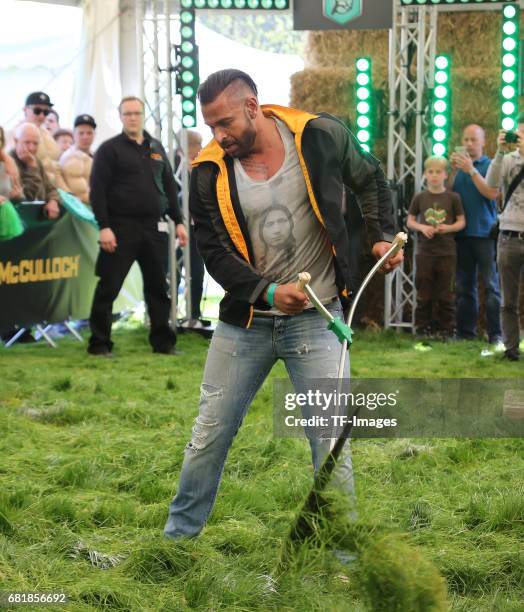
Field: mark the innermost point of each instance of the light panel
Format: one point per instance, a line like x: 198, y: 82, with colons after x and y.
x: 440, y: 123
x: 249, y: 5
x: 187, y: 74
x: 509, y: 60
x: 365, y: 110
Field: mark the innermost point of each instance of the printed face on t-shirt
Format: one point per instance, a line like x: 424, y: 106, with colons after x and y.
x: 276, y: 227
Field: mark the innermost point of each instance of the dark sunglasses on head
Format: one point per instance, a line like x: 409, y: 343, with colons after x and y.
x: 40, y: 111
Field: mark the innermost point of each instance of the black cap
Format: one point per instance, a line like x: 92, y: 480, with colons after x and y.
x: 38, y: 97
x: 85, y: 120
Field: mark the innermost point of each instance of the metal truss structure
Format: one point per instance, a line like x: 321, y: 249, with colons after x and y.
x: 411, y: 76
x: 158, y: 31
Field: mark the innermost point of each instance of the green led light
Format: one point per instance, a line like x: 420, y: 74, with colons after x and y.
x: 281, y: 4
x: 187, y: 76
x: 188, y: 62
x: 509, y: 12
x: 509, y: 60
x: 362, y: 64
x: 186, y: 32
x: 439, y: 149
x: 188, y: 91
x: 267, y: 4
x: 440, y: 106
x: 439, y: 135
x: 188, y: 106
x: 362, y: 93
x: 440, y: 121
x: 508, y: 123
x: 509, y: 28
x: 363, y: 79
x: 363, y: 136
x: 441, y: 91
x: 509, y: 44
x: 363, y: 122
x: 365, y: 147
x: 508, y: 108
x: 186, y: 16
x: 188, y: 121
x: 363, y: 108
x: 240, y: 4
x: 186, y: 3
x: 441, y: 77
x: 187, y: 47
x: 212, y: 3
x: 441, y: 62
x: 200, y: 3
x: 508, y: 76
x: 508, y: 92
x: 226, y: 4
x: 253, y: 4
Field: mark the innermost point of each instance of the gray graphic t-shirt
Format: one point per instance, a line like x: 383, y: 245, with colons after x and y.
x: 286, y: 235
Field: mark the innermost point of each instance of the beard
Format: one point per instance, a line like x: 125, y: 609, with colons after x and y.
x: 241, y: 146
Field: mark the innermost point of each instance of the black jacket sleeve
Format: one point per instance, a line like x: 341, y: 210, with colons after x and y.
x: 99, y: 182
x: 223, y: 261
x: 364, y: 176
x: 171, y: 190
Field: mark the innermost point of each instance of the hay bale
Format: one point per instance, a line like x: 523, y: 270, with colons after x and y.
x: 476, y: 100
x: 470, y: 37
x: 340, y: 48
x: 328, y: 90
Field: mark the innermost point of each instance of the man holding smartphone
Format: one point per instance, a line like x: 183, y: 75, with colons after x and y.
x: 475, y: 248
x: 507, y: 171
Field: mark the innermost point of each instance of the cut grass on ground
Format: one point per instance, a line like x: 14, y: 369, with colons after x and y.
x: 91, y: 452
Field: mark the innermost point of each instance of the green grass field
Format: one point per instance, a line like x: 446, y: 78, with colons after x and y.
x: 91, y: 451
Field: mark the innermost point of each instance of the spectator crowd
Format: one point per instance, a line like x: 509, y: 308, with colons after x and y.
x: 468, y: 220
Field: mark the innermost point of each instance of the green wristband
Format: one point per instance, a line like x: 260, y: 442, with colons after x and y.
x: 271, y: 294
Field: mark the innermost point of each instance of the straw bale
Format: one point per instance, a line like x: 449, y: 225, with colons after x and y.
x: 323, y: 89
x: 342, y: 47
x: 330, y: 90
x: 471, y: 38
x: 476, y: 100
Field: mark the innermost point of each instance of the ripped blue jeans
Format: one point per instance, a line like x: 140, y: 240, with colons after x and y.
x: 238, y: 362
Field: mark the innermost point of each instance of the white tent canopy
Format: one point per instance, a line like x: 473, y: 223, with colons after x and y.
x: 87, y: 58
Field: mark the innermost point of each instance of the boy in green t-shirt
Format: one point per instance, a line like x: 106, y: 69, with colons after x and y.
x: 435, y: 214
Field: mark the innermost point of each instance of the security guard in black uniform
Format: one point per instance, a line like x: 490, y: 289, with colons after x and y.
x: 132, y: 189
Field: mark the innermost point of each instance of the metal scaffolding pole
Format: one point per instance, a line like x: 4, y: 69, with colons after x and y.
x: 412, y: 47
x: 158, y: 22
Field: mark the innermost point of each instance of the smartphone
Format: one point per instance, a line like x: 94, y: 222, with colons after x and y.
x: 461, y: 150
x: 511, y: 137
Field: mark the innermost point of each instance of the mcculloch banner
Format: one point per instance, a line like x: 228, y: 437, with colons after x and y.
x: 48, y: 273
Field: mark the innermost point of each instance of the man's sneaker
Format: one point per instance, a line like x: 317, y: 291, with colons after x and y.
x: 511, y: 355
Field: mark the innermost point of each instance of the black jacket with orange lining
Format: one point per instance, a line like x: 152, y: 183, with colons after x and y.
x: 330, y: 157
